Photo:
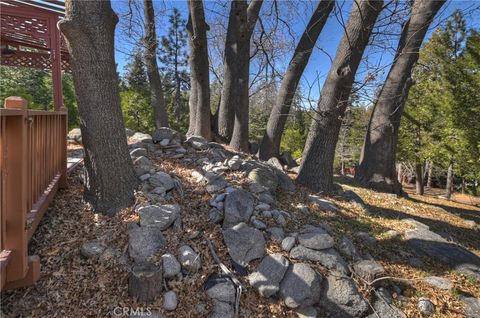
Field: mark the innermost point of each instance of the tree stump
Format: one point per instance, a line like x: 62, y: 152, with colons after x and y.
x: 145, y: 282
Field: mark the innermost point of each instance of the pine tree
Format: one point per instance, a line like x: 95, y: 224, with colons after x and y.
x: 135, y: 77
x: 174, y: 58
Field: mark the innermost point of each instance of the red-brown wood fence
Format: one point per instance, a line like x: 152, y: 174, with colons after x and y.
x: 33, y: 161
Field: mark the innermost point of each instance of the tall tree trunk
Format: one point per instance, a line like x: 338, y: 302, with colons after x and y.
x: 400, y: 172
x: 157, y: 100
x: 89, y: 27
x: 429, y: 175
x: 377, y: 161
x: 241, y: 23
x: 449, y: 181
x: 270, y: 145
x: 178, y: 104
x: 419, y: 178
x: 316, y: 170
x: 197, y: 37
x: 192, y: 99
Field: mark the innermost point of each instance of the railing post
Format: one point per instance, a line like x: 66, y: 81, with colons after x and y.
x: 14, y: 185
x: 63, y: 178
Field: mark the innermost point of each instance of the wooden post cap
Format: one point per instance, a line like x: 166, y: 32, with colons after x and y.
x: 16, y: 102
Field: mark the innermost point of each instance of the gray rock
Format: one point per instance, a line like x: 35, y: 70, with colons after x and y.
x: 425, y: 306
x: 268, y: 275
x: 472, y: 307
x: 265, y: 177
x: 191, y: 261
x: 317, y: 239
x: 234, y: 163
x: 138, y: 152
x: 92, y: 249
x: 323, y: 204
x: 244, y: 243
x: 164, y: 142
x: 275, y: 163
x: 142, y: 165
x: 369, y: 270
x: 276, y: 234
x: 287, y: 159
x: 266, y: 214
x: 222, y: 310
x: 159, y: 190
x: 438, y: 282
x: 197, y: 142
x: 171, y: 267
x: 167, y: 133
x: 141, y: 137
x: 300, y: 286
x: 224, y: 292
x: 76, y: 135
x: 263, y: 207
x: 284, y: 181
x: 145, y: 177
x: 238, y: 207
x: 349, y: 249
x: 161, y: 216
x: 392, y: 234
x: 255, y: 187
x: 288, y: 243
x: 144, y: 242
x: 259, y: 224
x: 280, y: 219
x: 367, y: 238
x: 341, y: 298
x: 170, y: 301
x: 328, y: 258
x: 162, y: 179
x: 306, y: 312
x: 129, y: 132
x: 427, y: 243
x: 416, y: 224
x: 385, y: 309
x: 266, y: 198
x: 215, y: 215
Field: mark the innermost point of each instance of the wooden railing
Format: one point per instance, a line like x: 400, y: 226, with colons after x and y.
x: 33, y: 161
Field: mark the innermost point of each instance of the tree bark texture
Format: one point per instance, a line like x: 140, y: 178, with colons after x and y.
x: 419, y: 178
x: 145, y: 282
x: 192, y: 100
x: 316, y: 170
x: 197, y: 36
x: 89, y: 28
x: 157, y: 100
x: 449, y: 187
x: 270, y: 145
x: 429, y: 175
x: 377, y: 162
x: 241, y: 23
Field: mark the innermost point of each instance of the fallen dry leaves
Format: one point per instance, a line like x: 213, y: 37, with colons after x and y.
x: 72, y: 286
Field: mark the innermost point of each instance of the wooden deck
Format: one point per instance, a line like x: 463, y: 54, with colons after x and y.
x: 33, y: 160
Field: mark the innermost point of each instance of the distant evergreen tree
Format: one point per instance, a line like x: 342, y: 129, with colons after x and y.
x: 174, y: 59
x: 135, y: 77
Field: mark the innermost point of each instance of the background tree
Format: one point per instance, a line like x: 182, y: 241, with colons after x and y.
x: 174, y: 58
x: 377, y: 163
x: 316, y: 170
x: 89, y: 27
x: 270, y: 145
x: 199, y: 76
x: 233, y: 108
x: 157, y: 98
x: 436, y: 103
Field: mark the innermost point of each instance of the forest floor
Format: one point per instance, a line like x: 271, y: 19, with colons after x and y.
x: 73, y: 286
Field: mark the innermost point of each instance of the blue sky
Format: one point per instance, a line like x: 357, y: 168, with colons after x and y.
x: 319, y: 63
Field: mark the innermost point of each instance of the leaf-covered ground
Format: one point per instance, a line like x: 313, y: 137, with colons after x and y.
x: 72, y: 286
